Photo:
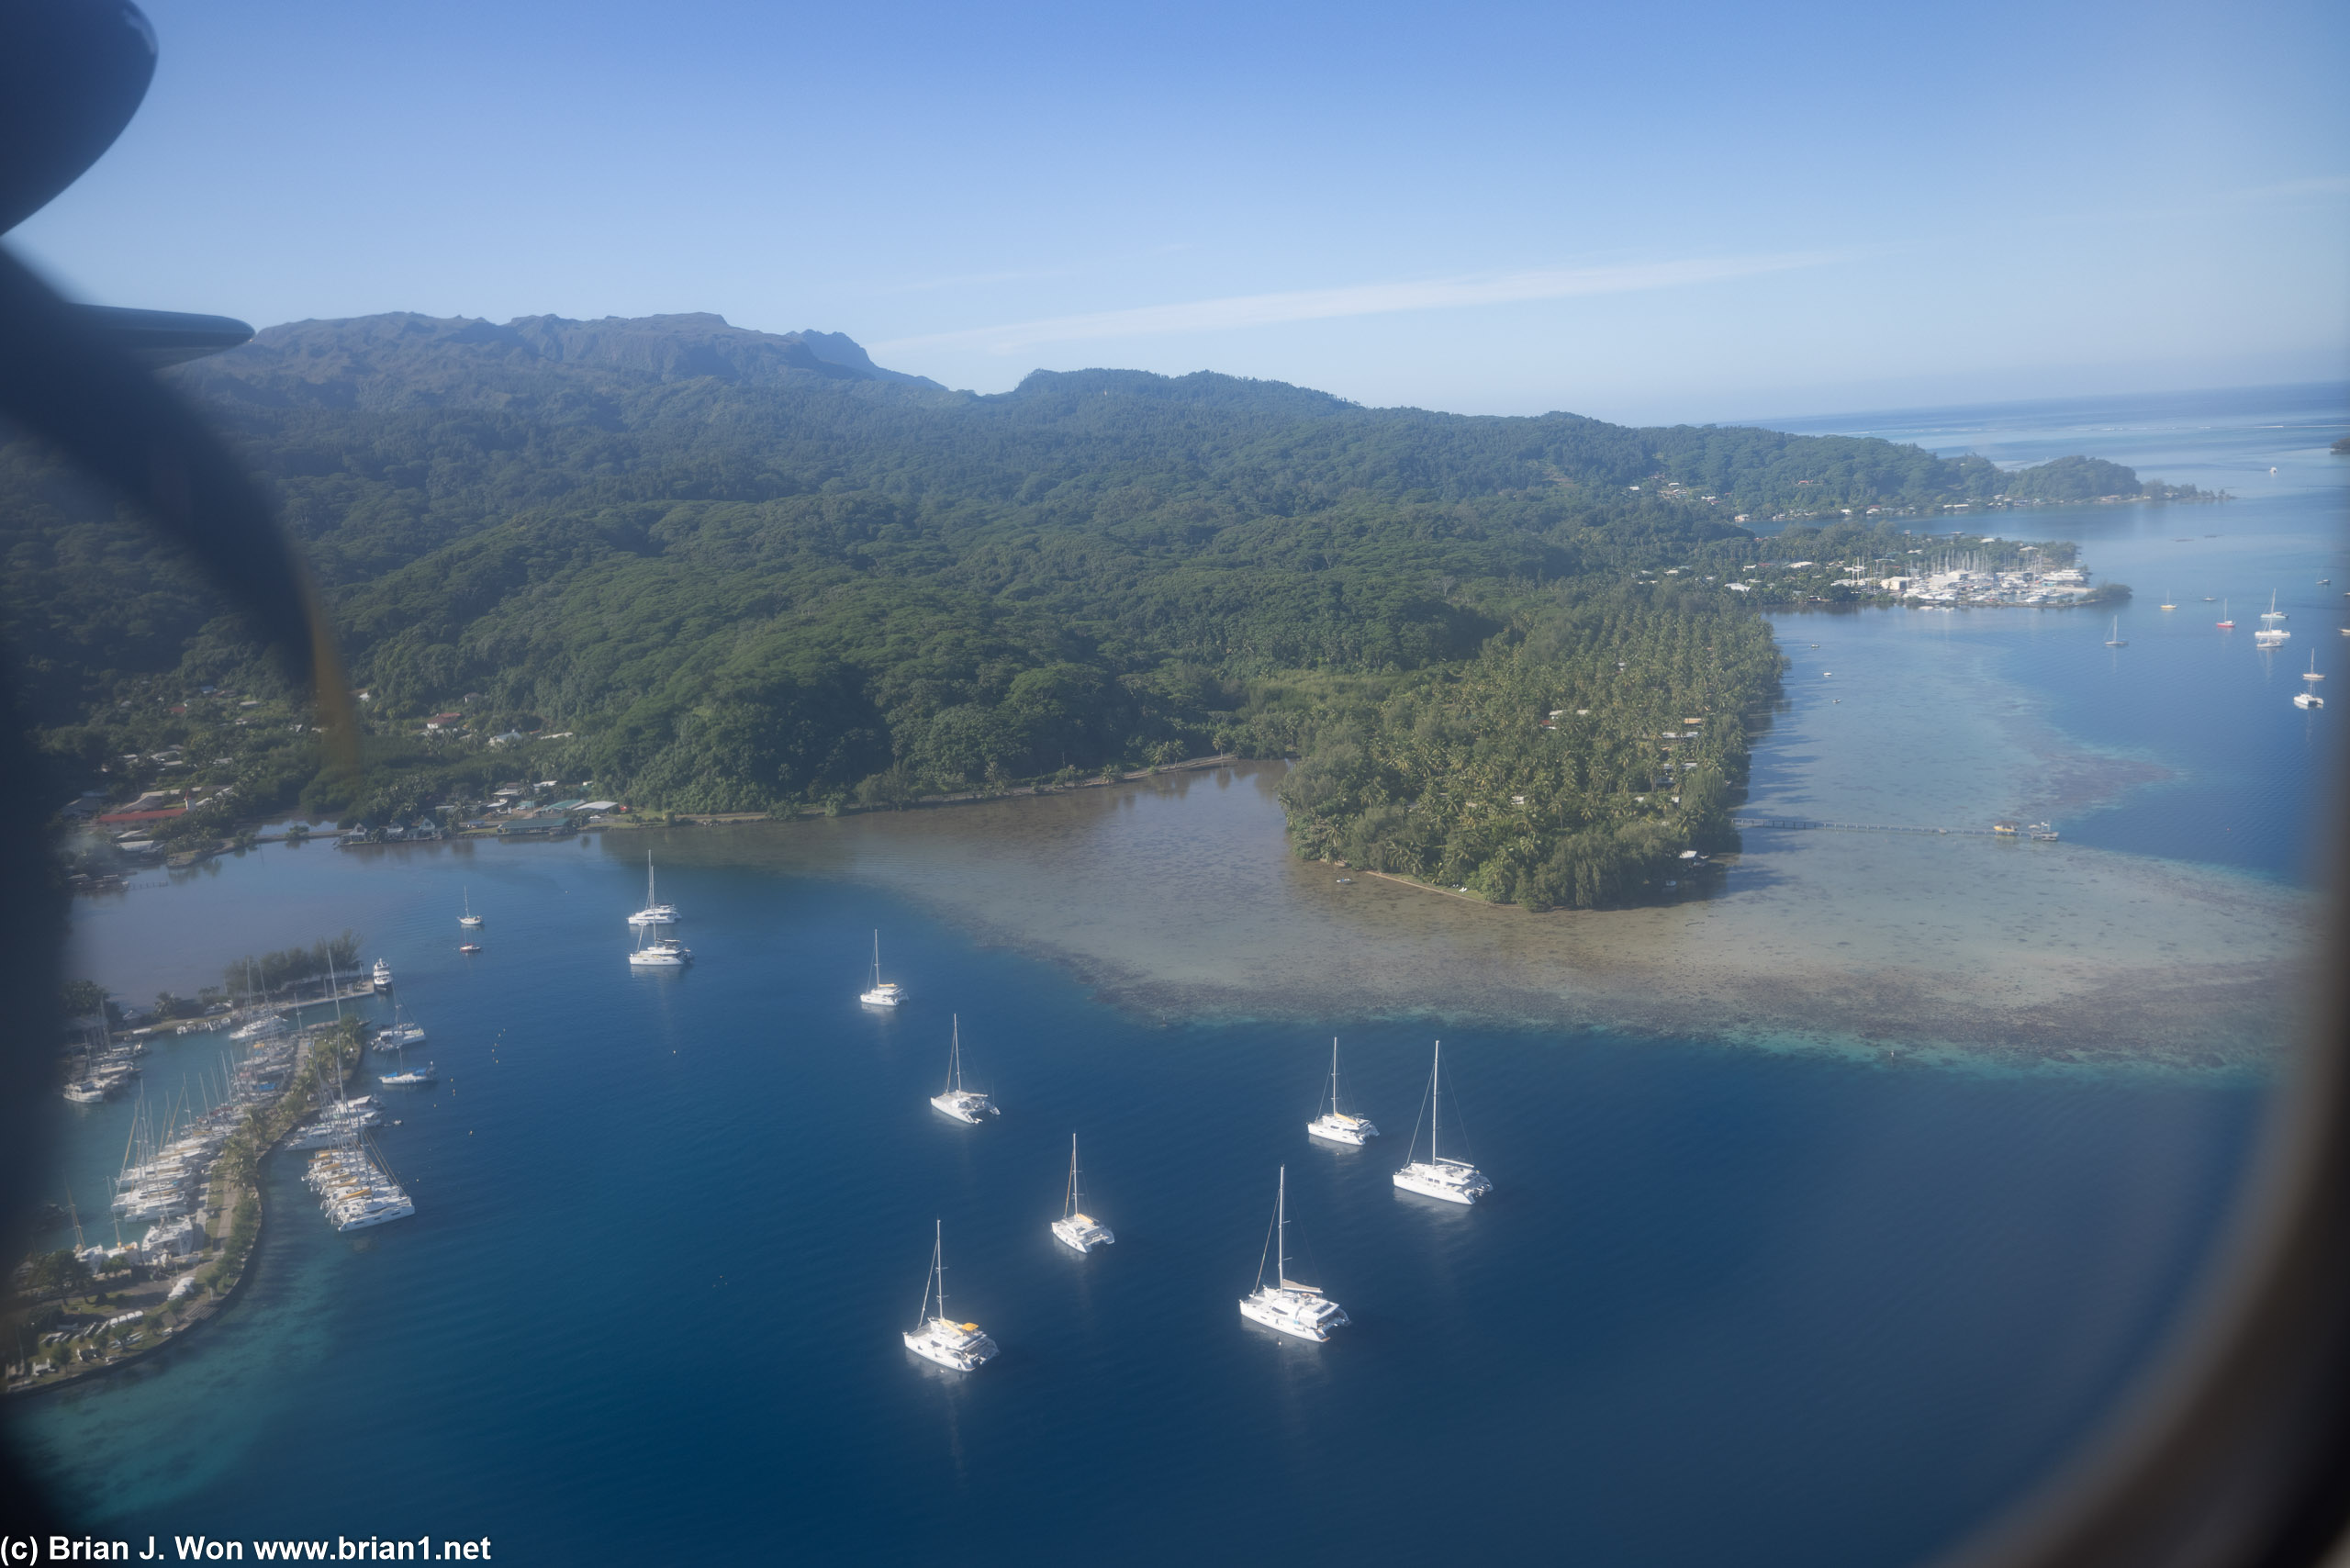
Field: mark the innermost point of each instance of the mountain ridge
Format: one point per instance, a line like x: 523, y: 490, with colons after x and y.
x: 405, y: 359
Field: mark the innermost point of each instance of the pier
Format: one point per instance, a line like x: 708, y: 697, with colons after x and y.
x: 2042, y: 833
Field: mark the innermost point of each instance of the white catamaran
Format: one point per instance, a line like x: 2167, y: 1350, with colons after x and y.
x: 963, y: 1104
x: 958, y: 1347
x: 1335, y: 1125
x: 1293, y: 1308
x: 885, y: 993
x: 659, y: 952
x: 1454, y: 1181
x: 399, y: 1034
x: 654, y: 913
x: 1075, y: 1228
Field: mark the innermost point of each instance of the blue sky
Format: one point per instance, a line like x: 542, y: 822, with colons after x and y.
x: 1655, y: 211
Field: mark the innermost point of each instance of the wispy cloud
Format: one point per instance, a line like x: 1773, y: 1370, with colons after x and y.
x: 1359, y: 299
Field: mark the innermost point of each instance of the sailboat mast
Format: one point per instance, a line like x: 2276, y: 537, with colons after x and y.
x: 877, y: 958
x: 1334, y: 1075
x: 955, y: 1054
x: 938, y: 1262
x: 1281, y: 1230
x: 1436, y: 1099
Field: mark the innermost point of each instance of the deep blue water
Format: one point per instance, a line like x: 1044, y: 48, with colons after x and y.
x: 1725, y: 1305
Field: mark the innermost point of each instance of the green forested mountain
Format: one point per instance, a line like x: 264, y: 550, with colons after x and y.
x: 737, y: 570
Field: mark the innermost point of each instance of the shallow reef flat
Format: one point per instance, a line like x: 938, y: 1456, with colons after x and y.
x: 1176, y: 897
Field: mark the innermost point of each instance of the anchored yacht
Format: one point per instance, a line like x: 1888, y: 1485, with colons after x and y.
x: 2308, y: 699
x: 660, y: 952
x: 885, y: 993
x: 2268, y: 637
x: 409, y: 1078
x: 382, y: 975
x: 2313, y: 675
x: 2272, y: 613
x: 654, y: 913
x: 469, y: 919
x: 1454, y: 1181
x: 1334, y: 1125
x: 963, y: 1104
x: 1075, y: 1229
x: 1300, y: 1310
x: 400, y: 1034
x: 958, y: 1347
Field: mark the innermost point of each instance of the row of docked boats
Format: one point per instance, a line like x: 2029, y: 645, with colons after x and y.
x: 355, y: 1192
x: 168, y: 1157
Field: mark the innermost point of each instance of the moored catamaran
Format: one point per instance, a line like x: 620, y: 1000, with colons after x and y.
x: 1300, y: 1311
x: 955, y: 1101
x: 1334, y: 1126
x: 1076, y: 1228
x: 958, y: 1347
x: 883, y: 994
x: 1454, y: 1181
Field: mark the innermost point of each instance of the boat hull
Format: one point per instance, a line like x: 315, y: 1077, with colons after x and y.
x: 1080, y: 1238
x: 402, y: 1210
x: 1282, y: 1323
x: 1426, y: 1185
x: 880, y: 999
x: 947, y: 1105
x: 953, y: 1358
x: 1354, y: 1137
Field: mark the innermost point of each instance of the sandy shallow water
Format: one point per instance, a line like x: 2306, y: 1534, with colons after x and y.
x: 1177, y: 897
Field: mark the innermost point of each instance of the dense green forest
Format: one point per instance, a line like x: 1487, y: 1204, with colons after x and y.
x: 1572, y: 762
x: 704, y: 568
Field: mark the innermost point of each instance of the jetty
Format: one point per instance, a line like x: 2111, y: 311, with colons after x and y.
x: 2041, y: 832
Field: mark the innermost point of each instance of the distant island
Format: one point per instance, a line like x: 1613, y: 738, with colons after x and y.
x: 678, y: 563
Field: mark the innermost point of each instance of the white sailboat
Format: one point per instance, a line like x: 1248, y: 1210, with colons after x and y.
x: 2272, y: 613
x: 407, y: 1078
x: 399, y: 1034
x: 659, y: 952
x: 958, y: 1347
x: 2312, y: 675
x: 2306, y: 699
x: 1076, y: 1229
x: 1454, y: 1181
x: 654, y: 912
x: 2115, y: 641
x: 1293, y: 1308
x: 1334, y: 1126
x: 469, y: 919
x: 963, y: 1104
x: 884, y: 994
